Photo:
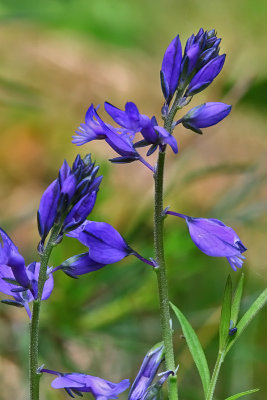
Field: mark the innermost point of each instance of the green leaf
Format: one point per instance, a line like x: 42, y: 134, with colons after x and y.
x: 237, y: 300
x: 236, y: 396
x: 225, y: 314
x: 248, y: 316
x: 195, y: 348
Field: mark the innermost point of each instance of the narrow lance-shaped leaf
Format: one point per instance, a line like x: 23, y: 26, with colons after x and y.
x: 238, y: 395
x: 225, y: 314
x: 237, y: 300
x: 195, y: 348
x: 248, y: 316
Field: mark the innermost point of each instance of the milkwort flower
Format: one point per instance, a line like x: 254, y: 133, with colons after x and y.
x: 70, y: 198
x: 147, y: 372
x: 121, y: 139
x: 215, y: 239
x: 193, y: 71
x: 76, y: 384
x: 106, y: 246
x: 205, y: 115
x: 16, y: 279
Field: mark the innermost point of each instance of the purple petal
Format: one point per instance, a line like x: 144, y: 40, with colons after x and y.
x: 167, y: 138
x: 80, y: 211
x: 10, y: 256
x: 171, y: 64
x: 214, y: 238
x: 80, y: 265
x: 206, y: 115
x: 147, y: 372
x: 207, y: 74
x: 48, y: 208
x: 106, y: 245
x: 130, y: 118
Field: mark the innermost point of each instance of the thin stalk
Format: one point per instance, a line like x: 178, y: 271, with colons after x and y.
x: 162, y: 277
x: 34, y: 325
x: 215, y: 375
x: 160, y: 259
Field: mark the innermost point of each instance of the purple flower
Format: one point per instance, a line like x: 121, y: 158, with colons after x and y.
x: 94, y: 128
x: 205, y: 115
x: 170, y: 70
x: 156, y: 136
x: 90, y: 130
x: 205, y: 76
x: 130, y: 119
x: 16, y: 279
x: 70, y: 198
x: 106, y: 245
x: 215, y: 239
x: 75, y: 383
x: 9, y: 256
x: 147, y: 372
x: 79, y: 265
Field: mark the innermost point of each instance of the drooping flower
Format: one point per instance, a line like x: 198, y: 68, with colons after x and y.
x: 215, y: 239
x: 106, y: 246
x: 75, y: 383
x: 70, y: 198
x: 147, y: 372
x: 16, y: 279
x: 205, y: 115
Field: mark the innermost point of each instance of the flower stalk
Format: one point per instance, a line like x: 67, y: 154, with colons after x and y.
x: 34, y: 324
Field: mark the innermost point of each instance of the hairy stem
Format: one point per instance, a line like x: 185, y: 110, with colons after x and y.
x: 34, y: 325
x: 162, y: 277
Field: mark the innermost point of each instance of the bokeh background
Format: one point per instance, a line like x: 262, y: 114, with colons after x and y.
x: 56, y: 58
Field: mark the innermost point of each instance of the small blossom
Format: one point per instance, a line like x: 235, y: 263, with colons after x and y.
x: 215, y: 239
x: 90, y: 130
x: 75, y: 383
x: 70, y: 198
x: 147, y: 372
x: 17, y: 280
x: 171, y: 67
x: 205, y: 76
x: 205, y: 115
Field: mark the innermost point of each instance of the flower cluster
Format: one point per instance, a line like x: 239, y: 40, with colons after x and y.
x: 185, y: 74
x: 70, y: 198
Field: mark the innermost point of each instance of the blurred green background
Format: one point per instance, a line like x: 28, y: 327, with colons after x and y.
x: 56, y: 58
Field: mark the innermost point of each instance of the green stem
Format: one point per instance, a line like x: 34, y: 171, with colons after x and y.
x: 34, y: 325
x: 162, y: 277
x: 160, y: 259
x: 215, y: 375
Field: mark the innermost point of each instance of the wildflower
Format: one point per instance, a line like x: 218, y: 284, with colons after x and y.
x: 147, y: 372
x: 205, y: 115
x: 215, y: 239
x: 16, y: 279
x: 70, y: 198
x: 75, y: 383
x: 130, y: 119
x: 106, y: 246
